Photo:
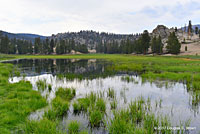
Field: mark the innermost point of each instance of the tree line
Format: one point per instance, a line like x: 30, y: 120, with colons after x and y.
x: 47, y: 46
x: 65, y: 46
x: 141, y: 45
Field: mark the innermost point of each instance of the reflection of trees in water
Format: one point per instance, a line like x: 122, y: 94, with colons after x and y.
x: 61, y: 66
x: 160, y: 83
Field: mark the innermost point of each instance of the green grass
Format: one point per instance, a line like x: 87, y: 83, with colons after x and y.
x: 81, y: 105
x: 128, y: 79
x: 60, y: 104
x: 136, y: 119
x: 94, y: 106
x: 73, y: 127
x: 111, y: 93
x: 59, y: 108
x: 66, y: 93
x: 43, y: 126
x: 95, y: 118
x: 49, y: 87
x: 113, y: 104
x: 41, y: 85
x: 17, y: 101
x: 101, y: 105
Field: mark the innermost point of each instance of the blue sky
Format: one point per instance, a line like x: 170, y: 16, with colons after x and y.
x: 48, y: 17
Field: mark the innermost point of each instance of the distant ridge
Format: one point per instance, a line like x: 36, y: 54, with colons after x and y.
x: 24, y: 36
x: 193, y: 27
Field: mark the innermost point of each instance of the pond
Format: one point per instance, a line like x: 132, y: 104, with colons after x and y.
x: 168, y: 98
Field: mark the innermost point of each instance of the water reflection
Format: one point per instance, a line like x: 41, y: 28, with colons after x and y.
x: 86, y: 68
x: 179, y: 103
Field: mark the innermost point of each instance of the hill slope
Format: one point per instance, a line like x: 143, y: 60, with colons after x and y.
x: 29, y: 37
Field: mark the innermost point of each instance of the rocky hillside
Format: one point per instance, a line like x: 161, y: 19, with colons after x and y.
x: 192, y: 42
x: 92, y: 38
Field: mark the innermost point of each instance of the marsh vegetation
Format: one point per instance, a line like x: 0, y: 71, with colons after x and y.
x: 120, y: 94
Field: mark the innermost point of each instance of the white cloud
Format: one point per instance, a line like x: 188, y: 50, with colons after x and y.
x: 122, y: 16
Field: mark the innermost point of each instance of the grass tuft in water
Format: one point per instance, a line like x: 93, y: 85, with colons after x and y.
x: 101, y: 105
x: 95, y: 118
x: 111, y: 93
x: 73, y: 127
x: 113, y: 104
x: 49, y: 87
x: 41, y: 85
x: 66, y: 93
x: 43, y: 126
x: 128, y: 79
x: 58, y: 110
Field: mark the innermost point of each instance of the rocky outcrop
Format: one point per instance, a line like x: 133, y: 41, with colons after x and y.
x: 161, y: 30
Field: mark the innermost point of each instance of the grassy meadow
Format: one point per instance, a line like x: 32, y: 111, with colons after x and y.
x: 18, y: 100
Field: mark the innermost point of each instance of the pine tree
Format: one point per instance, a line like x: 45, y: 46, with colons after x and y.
x: 196, y: 30
x: 1, y: 35
x: 173, y: 45
x: 51, y: 46
x: 5, y: 44
x: 190, y: 28
x: 153, y: 44
x: 37, y: 46
x: 157, y: 45
x: 145, y: 41
x: 199, y: 33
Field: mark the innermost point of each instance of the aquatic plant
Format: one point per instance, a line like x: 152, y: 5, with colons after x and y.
x: 128, y: 120
x: 101, y: 105
x: 66, y: 93
x: 120, y: 123
x: 19, y: 98
x: 95, y: 118
x: 92, y: 97
x: 113, y: 104
x: 51, y: 115
x: 128, y: 79
x: 49, y: 87
x: 73, y: 127
x: 43, y: 126
x: 76, y: 107
x: 111, y: 93
x: 59, y: 106
x: 41, y: 85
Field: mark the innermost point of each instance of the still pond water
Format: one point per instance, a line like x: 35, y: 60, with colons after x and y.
x: 91, y: 75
